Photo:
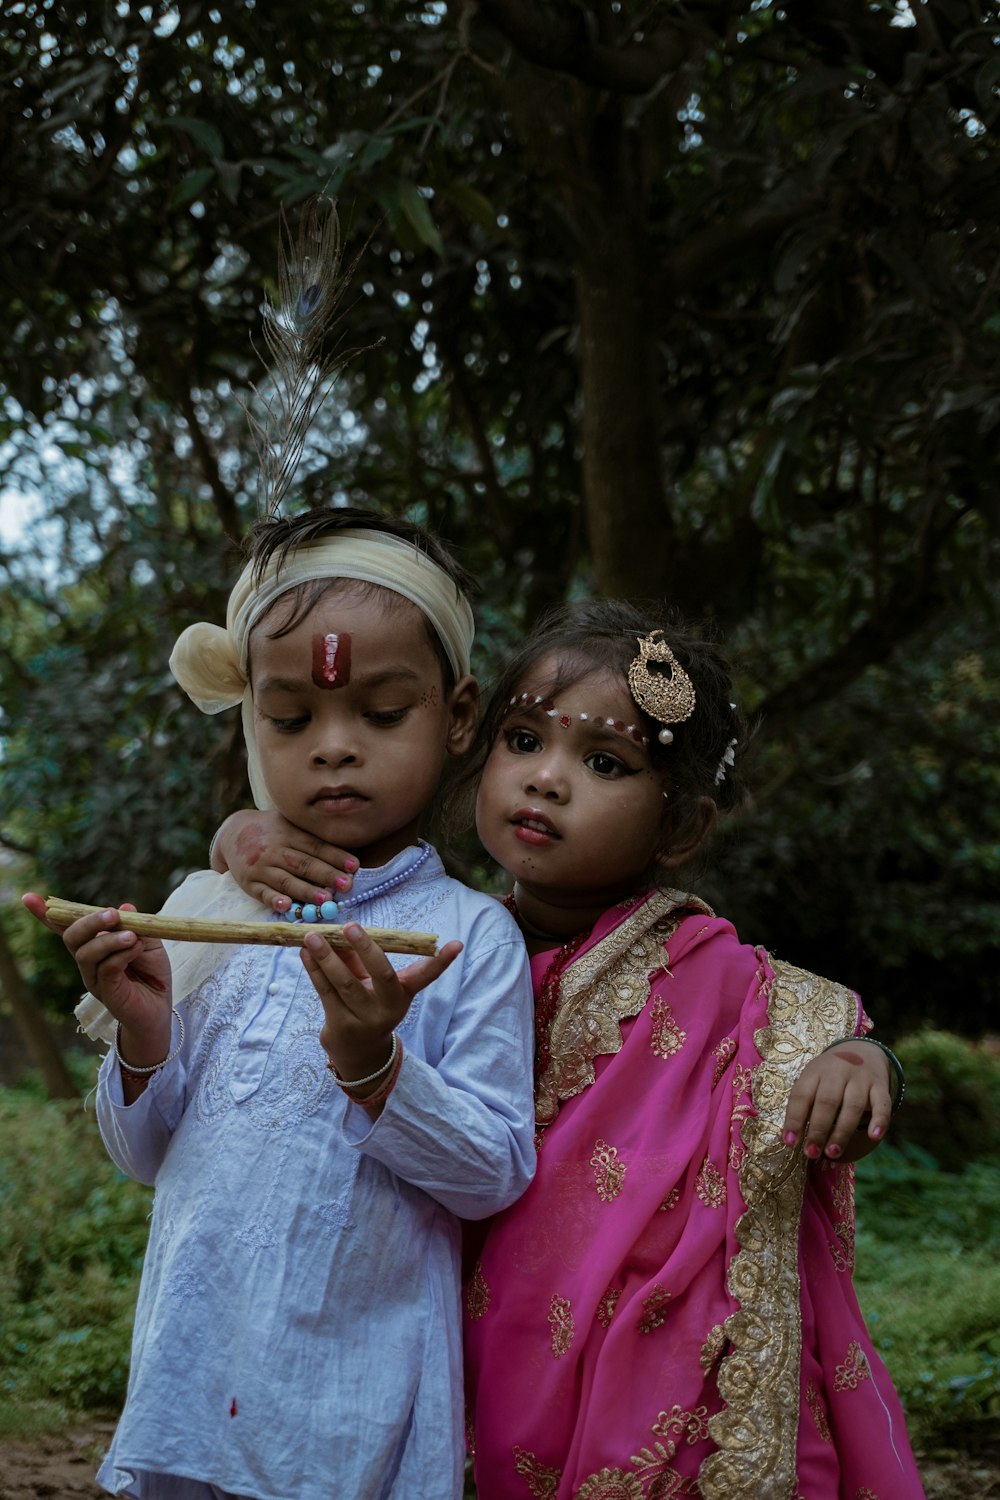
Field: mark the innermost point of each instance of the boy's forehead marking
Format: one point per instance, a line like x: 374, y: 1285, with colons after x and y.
x: 331, y: 659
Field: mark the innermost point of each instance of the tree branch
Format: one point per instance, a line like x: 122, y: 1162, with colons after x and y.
x: 563, y: 45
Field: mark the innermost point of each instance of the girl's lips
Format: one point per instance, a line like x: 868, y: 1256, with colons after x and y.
x: 534, y: 828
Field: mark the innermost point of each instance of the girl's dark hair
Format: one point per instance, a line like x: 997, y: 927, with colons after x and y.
x: 604, y: 634
x: 283, y: 535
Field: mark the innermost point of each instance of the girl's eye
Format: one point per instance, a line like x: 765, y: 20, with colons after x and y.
x: 522, y: 741
x: 384, y: 718
x: 606, y: 764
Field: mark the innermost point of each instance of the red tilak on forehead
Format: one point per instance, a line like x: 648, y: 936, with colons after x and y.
x: 331, y: 666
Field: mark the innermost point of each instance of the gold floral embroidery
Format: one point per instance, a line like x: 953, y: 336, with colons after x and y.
x: 842, y: 1249
x: 561, y: 1323
x: 667, y: 1038
x: 712, y: 1348
x: 854, y: 1370
x: 610, y: 1484
x: 742, y: 1079
x: 609, y: 1171
x: 722, y: 1054
x: 607, y: 1305
x: 601, y: 989
x: 758, y: 1379
x: 710, y: 1185
x: 815, y: 1403
x: 678, y: 1422
x: 542, y: 1481
x: 477, y: 1294
x: 670, y: 1201
x: 655, y: 1305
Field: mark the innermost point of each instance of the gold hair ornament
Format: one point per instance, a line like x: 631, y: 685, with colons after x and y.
x: 668, y: 697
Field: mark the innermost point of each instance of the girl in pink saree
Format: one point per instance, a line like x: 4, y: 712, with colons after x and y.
x: 668, y: 1310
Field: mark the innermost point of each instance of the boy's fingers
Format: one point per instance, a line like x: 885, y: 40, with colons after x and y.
x: 416, y: 977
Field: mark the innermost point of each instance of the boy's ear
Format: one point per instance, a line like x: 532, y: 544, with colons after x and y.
x: 463, y: 709
x: 682, y: 843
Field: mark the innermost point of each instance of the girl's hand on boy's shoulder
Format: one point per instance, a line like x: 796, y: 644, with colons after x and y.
x: 834, y: 1096
x: 278, y: 863
x: 364, y: 998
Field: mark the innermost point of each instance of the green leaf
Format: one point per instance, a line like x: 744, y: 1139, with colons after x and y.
x: 416, y: 211
x: 200, y: 131
x: 190, y: 186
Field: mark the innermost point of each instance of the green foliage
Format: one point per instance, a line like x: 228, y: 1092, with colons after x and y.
x: 927, y: 1282
x: 952, y: 1105
x: 72, y: 1237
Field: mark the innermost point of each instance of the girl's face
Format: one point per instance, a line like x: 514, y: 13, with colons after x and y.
x: 572, y: 810
x: 353, y: 723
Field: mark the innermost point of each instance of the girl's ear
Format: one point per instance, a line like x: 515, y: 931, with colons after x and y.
x: 463, y: 710
x: 685, y: 841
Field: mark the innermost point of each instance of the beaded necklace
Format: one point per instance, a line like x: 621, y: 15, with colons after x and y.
x: 330, y: 911
x: 547, y: 1001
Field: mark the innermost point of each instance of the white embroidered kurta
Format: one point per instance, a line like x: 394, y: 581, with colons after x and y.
x: 297, y: 1334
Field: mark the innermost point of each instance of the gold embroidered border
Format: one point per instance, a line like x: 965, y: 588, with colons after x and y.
x: 757, y: 1431
x: 603, y: 988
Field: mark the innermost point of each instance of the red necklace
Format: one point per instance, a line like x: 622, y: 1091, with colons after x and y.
x: 547, y: 999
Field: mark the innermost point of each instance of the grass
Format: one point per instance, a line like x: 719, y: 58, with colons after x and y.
x: 73, y: 1232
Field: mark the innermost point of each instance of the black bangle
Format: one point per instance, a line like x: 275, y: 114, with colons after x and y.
x: 894, y: 1063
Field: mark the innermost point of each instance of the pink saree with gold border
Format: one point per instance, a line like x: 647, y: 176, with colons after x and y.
x: 669, y: 1310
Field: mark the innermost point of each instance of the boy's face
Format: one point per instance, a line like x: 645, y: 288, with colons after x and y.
x: 573, y: 811
x: 353, y: 722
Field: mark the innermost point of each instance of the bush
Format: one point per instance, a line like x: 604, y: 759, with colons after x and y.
x: 72, y: 1237
x: 952, y: 1105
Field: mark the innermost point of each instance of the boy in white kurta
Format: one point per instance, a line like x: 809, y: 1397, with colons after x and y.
x: 297, y: 1334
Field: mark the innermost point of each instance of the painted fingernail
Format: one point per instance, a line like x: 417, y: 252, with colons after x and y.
x: 320, y: 896
x: 876, y: 1132
x: 342, y: 882
x: 351, y: 865
x: 790, y: 1137
x: 833, y: 1150
x: 812, y: 1151
x: 282, y: 903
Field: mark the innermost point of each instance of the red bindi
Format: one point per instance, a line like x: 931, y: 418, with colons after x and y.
x: 331, y: 660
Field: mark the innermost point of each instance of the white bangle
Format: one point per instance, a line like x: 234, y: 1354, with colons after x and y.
x: 359, y: 1082
x: 135, y: 1072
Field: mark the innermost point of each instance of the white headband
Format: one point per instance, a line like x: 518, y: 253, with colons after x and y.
x: 211, y: 663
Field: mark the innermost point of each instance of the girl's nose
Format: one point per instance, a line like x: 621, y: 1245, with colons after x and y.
x: 544, y: 777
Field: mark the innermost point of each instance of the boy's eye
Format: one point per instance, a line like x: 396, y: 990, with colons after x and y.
x: 522, y: 741
x: 384, y: 718
x: 606, y: 764
x: 288, y: 726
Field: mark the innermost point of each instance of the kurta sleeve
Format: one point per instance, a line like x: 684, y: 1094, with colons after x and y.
x: 136, y: 1136
x: 461, y: 1127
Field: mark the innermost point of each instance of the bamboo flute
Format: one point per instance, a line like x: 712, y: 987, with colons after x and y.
x: 273, y: 934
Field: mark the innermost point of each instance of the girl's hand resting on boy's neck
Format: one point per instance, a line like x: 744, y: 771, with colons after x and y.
x: 365, y: 998
x: 832, y: 1096
x: 278, y: 863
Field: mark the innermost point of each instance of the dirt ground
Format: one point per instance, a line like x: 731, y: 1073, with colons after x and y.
x: 62, y: 1467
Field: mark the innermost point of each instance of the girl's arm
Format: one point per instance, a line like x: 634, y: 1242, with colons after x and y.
x: 278, y: 863
x: 843, y: 1100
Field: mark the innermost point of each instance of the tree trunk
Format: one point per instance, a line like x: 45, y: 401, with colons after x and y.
x: 630, y: 527
x: 33, y: 1028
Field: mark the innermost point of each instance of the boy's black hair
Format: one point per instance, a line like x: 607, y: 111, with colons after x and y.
x: 282, y: 535
x: 604, y: 633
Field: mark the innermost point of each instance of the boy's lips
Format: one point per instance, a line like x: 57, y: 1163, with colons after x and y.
x: 337, y: 798
x: 533, y: 827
